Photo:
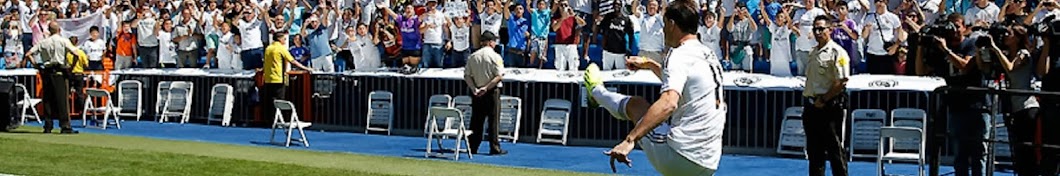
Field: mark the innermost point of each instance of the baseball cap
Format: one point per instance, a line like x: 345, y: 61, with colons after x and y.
x: 488, y: 36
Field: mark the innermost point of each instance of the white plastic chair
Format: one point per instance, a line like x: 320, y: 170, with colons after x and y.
x: 28, y: 104
x: 440, y: 101
x: 107, y: 108
x: 380, y: 112
x: 178, y: 102
x: 289, y: 125
x: 908, y: 117
x: 163, y: 95
x: 891, y: 155
x: 463, y: 103
x: 792, y: 134
x: 452, y: 127
x: 554, y: 121
x: 129, y: 98
x: 865, y: 128
x: 221, y: 101
x: 510, y: 116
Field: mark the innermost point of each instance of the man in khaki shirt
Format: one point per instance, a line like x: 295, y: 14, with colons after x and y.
x: 483, y: 74
x: 826, y: 76
x: 54, y: 70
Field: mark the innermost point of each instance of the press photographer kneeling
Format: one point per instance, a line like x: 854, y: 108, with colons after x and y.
x: 955, y: 59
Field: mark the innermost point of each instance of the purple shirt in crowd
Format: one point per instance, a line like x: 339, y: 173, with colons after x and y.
x: 844, y: 40
x: 410, y: 32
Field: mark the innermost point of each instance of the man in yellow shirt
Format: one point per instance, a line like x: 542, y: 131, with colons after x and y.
x: 276, y: 58
x: 78, y: 61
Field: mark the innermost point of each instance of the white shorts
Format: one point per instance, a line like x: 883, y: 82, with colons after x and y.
x: 613, y: 61
x: 324, y: 64
x: 669, y: 162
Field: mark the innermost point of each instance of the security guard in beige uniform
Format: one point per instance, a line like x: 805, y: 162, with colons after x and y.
x: 54, y: 70
x: 827, y: 72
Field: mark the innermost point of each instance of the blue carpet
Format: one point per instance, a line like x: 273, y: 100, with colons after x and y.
x: 581, y: 159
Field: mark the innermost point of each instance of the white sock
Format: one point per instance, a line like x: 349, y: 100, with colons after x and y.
x: 614, y: 102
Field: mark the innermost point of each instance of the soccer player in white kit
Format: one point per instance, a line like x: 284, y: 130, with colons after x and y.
x: 691, y: 102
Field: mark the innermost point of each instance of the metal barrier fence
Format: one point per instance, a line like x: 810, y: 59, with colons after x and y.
x: 340, y: 103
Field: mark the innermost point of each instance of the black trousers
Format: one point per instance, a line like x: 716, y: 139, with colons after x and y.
x: 824, y: 138
x: 1021, y: 128
x: 270, y: 92
x: 1050, y: 107
x: 56, y: 99
x: 485, y: 109
x: 880, y: 64
x: 77, y: 82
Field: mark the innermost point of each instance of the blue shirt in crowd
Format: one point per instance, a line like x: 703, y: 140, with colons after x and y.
x: 539, y: 26
x: 317, y: 40
x: 517, y: 27
x: 298, y: 52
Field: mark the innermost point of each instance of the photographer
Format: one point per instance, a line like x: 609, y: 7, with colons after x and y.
x: 1014, y: 57
x: 1050, y: 76
x: 956, y: 60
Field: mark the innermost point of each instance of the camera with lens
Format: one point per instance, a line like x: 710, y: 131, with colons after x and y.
x: 940, y: 29
x: 983, y: 35
x: 1047, y: 27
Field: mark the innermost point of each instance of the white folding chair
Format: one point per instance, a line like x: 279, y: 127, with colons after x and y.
x: 163, y: 95
x: 908, y: 117
x: 452, y: 127
x: 887, y: 133
x: 380, y: 112
x: 289, y: 125
x: 865, y: 128
x: 107, y: 108
x: 28, y: 104
x: 441, y: 101
x: 554, y: 121
x: 792, y: 134
x: 221, y: 100
x: 463, y: 103
x: 511, y: 113
x: 129, y: 98
x: 178, y: 103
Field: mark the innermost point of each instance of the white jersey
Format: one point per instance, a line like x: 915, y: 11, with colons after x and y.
x: 167, y: 50
x: 696, y: 126
x: 94, y: 49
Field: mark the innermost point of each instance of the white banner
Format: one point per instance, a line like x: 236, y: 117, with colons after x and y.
x: 79, y: 26
x: 456, y: 8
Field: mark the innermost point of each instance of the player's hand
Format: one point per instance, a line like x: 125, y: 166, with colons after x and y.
x: 637, y: 62
x: 621, y: 154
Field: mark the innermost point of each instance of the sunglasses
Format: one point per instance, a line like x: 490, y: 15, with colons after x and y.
x: 819, y: 29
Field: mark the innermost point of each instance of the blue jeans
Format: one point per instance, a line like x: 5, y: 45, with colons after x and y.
x: 970, y: 128
x: 432, y: 56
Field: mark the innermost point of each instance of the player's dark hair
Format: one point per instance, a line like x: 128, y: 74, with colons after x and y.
x: 682, y: 12
x: 93, y: 29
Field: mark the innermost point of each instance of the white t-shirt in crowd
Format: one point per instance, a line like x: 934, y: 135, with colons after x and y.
x: 711, y: 37
x: 187, y: 29
x: 988, y: 14
x: 584, y: 6
x: 13, y: 43
x: 696, y: 126
x: 251, y: 34
x: 94, y: 49
x: 491, y: 23
x: 367, y: 58
x: 460, y: 37
x: 208, y: 22
x: 146, y: 32
x: 780, y: 54
x: 888, y: 22
x: 651, y: 38
x: 804, y: 19
x: 27, y: 11
x: 225, y: 47
x: 167, y: 51
x: 931, y: 10
x: 433, y: 35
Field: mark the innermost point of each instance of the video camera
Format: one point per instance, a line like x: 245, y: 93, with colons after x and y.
x: 1047, y: 27
x: 940, y: 29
